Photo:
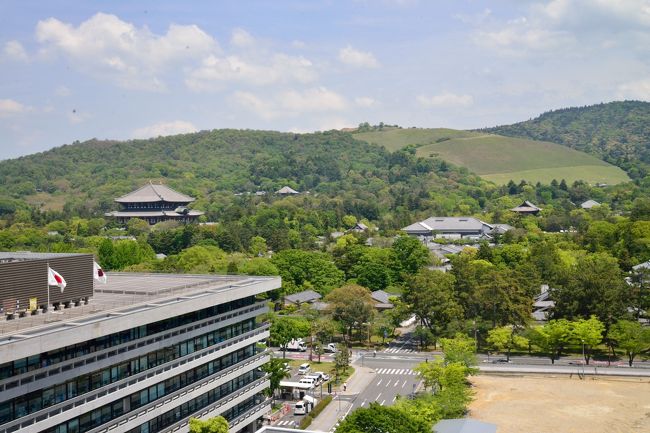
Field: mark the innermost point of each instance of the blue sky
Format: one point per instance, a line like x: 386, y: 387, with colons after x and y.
x: 74, y: 70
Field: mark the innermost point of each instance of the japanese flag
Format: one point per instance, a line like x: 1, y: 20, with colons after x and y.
x: 55, y: 279
x: 98, y: 273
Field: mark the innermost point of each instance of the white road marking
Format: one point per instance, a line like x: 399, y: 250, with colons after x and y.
x: 387, y: 383
x: 404, y: 383
x: 379, y: 381
x: 396, y: 383
x: 378, y: 396
x: 364, y: 402
x: 382, y: 402
x: 394, y: 398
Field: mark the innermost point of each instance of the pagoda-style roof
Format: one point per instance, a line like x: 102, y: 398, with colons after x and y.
x: 151, y: 193
x: 286, y: 190
x: 155, y: 213
x: 526, y: 207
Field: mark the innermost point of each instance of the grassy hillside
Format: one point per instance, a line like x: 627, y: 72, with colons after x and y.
x: 618, y: 132
x: 500, y: 159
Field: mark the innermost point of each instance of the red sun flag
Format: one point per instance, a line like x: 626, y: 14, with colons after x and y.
x: 98, y: 273
x: 55, y: 279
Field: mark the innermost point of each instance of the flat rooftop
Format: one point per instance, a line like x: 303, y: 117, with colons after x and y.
x: 125, y: 293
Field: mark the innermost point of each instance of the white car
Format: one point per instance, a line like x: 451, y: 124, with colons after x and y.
x: 323, y: 377
x: 330, y: 348
x: 304, y: 369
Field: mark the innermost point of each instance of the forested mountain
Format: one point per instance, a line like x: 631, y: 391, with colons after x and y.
x: 618, y: 132
x: 341, y: 174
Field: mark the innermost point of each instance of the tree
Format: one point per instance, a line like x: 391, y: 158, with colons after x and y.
x: 137, y: 227
x: 341, y: 359
x: 502, y: 299
x: 277, y: 372
x: 376, y: 418
x: 552, y: 337
x: 302, y: 270
x: 505, y: 339
x: 630, y: 336
x: 595, y: 286
x: 286, y: 328
x: 430, y: 295
x: 408, y: 256
x: 461, y: 349
x: 218, y: 424
x: 588, y: 333
x: 258, y: 246
x: 351, y: 305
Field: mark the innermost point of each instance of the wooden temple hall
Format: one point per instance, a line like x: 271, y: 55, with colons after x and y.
x: 154, y: 204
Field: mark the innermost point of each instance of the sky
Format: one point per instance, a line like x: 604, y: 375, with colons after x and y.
x: 75, y: 70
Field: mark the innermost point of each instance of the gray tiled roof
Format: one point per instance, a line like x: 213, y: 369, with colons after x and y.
x: 286, y: 190
x: 526, y: 206
x: 154, y: 193
x: 589, y: 204
x: 382, y: 296
x: 448, y: 224
x: 305, y: 296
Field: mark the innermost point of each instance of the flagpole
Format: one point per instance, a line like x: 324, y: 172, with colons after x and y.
x: 48, y: 287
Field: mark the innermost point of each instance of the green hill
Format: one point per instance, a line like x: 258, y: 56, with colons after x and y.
x: 618, y: 132
x: 498, y: 158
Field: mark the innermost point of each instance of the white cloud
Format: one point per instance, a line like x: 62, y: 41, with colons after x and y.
x: 292, y: 103
x: 638, y: 90
x: 162, y: 129
x: 62, y: 91
x: 358, y: 59
x: 132, y: 57
x: 280, y: 68
x: 298, y: 44
x: 9, y: 107
x: 14, y: 50
x: 241, y: 38
x: 365, y: 101
x: 446, y: 99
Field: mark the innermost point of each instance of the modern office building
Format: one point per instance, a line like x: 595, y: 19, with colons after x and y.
x: 146, y: 353
x: 154, y: 204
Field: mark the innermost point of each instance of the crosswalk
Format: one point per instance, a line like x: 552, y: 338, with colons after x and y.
x: 399, y: 350
x: 397, y: 371
x: 284, y: 423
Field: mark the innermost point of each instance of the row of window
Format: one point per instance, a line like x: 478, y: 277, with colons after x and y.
x: 37, y: 400
x: 108, y: 412
x: 153, y: 205
x: 23, y: 365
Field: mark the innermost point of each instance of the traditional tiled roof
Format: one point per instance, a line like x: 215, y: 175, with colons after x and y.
x: 382, y: 296
x: 304, y: 296
x: 286, y: 190
x: 152, y: 214
x: 526, y: 206
x: 589, y: 204
x: 154, y: 193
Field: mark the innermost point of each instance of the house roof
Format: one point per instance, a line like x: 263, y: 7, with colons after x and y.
x: 641, y: 266
x: 464, y: 425
x: 501, y: 228
x: 286, y: 190
x: 154, y: 193
x: 151, y: 214
x: 448, y: 224
x: 382, y: 296
x: 589, y: 204
x: 526, y: 206
x: 304, y: 296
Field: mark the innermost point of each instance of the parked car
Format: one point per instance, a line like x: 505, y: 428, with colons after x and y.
x: 316, y: 376
x: 300, y: 408
x: 311, y: 381
x: 330, y: 348
x: 304, y: 368
x: 295, y: 345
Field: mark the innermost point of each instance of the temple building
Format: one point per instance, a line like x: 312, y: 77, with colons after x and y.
x: 154, y: 204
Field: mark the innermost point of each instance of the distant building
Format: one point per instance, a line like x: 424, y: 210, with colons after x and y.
x: 589, y: 204
x: 543, y: 304
x: 449, y: 228
x: 526, y: 208
x: 358, y: 228
x: 382, y: 300
x: 286, y: 190
x: 306, y: 296
x: 154, y: 204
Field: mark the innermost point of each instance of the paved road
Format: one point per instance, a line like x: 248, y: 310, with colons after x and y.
x: 392, y: 377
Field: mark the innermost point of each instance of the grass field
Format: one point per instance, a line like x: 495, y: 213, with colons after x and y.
x: 500, y: 159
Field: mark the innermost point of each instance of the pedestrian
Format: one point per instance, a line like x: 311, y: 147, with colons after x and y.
x: 374, y: 353
x: 345, y: 386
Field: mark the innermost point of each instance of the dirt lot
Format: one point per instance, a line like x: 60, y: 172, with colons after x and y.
x: 559, y: 404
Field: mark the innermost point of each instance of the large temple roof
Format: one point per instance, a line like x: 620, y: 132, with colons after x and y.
x: 154, y: 193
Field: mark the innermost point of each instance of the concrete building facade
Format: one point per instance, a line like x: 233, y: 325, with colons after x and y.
x: 146, y: 354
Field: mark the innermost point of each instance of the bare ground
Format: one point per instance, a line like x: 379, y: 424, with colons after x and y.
x: 560, y: 404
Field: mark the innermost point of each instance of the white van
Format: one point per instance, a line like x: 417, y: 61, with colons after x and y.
x: 308, y: 380
x: 300, y: 408
x: 304, y: 368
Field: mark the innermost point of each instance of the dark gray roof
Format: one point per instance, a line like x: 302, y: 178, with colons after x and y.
x: 526, y: 206
x: 154, y: 193
x: 305, y: 296
x: 642, y: 266
x: 150, y: 214
x: 382, y: 296
x: 464, y: 425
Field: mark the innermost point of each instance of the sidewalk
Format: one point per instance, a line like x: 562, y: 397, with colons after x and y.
x: 328, y: 418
